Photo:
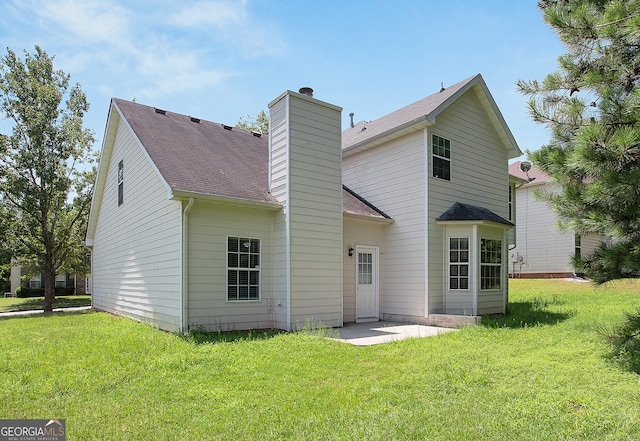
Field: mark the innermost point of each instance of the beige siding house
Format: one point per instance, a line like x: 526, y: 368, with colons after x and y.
x: 543, y: 250
x: 403, y: 218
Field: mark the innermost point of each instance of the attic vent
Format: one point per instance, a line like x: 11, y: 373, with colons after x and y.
x: 195, y: 120
x: 256, y: 134
x: 226, y: 127
x: 160, y: 111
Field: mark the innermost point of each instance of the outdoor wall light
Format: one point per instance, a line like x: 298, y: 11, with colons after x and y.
x: 350, y: 251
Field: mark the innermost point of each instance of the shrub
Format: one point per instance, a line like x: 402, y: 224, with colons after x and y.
x: 625, y: 342
x: 25, y: 292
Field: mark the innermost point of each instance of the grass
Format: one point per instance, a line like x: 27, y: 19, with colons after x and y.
x: 539, y: 373
x: 10, y: 304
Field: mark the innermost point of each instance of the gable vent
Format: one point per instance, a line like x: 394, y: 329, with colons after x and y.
x: 160, y: 111
x: 195, y: 120
x: 226, y: 127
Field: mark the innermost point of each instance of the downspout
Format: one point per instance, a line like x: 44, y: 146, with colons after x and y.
x: 184, y: 307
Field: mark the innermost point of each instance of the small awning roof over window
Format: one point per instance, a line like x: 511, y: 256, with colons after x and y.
x: 471, y: 213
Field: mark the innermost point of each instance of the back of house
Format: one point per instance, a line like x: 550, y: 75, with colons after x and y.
x: 404, y: 218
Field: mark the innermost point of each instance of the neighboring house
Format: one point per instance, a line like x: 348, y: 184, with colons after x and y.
x: 543, y: 250
x: 66, y: 280
x: 404, y: 218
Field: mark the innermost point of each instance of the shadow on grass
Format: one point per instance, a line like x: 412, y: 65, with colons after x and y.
x: 527, y: 314
x: 200, y: 336
x: 38, y: 303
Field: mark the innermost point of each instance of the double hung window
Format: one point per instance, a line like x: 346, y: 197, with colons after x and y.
x: 490, y: 264
x: 458, y: 263
x: 441, y: 149
x: 243, y: 269
x: 120, y: 182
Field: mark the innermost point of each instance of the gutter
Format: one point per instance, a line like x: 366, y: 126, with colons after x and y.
x: 422, y: 119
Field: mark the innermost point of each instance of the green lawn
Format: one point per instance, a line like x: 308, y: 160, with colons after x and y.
x: 16, y: 304
x: 540, y: 373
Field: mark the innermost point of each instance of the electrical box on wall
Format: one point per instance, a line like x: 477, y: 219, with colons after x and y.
x: 515, y: 257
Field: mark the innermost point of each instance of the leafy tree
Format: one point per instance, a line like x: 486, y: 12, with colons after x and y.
x: 258, y: 123
x: 591, y: 105
x: 45, y: 172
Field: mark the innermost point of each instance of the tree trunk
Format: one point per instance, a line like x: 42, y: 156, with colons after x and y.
x: 49, y: 284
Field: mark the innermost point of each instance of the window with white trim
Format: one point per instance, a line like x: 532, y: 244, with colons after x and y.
x: 35, y: 282
x: 243, y: 269
x: 577, y: 249
x: 510, y: 202
x: 441, y: 160
x: 61, y: 280
x: 490, y: 264
x: 458, y: 263
x: 120, y: 182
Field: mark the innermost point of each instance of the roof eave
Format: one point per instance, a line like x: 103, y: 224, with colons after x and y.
x: 475, y: 222
x: 365, y: 218
x: 108, y: 140
x: 224, y: 200
x: 415, y: 124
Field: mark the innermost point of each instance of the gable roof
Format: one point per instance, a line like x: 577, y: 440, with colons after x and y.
x: 467, y: 212
x: 422, y: 114
x: 202, y: 159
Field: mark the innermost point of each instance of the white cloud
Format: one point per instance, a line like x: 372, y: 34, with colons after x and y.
x: 87, y: 21
x: 220, y: 14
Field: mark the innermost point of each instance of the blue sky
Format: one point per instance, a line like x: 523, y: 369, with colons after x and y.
x: 221, y: 60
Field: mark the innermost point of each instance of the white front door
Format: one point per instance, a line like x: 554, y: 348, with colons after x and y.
x: 366, y: 284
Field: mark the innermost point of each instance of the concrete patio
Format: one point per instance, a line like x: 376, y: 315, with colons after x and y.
x: 374, y: 333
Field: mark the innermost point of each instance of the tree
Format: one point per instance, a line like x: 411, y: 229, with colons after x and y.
x: 591, y: 105
x: 258, y: 123
x: 46, y: 175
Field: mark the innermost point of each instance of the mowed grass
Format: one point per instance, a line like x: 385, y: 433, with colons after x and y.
x: 9, y: 304
x: 539, y: 373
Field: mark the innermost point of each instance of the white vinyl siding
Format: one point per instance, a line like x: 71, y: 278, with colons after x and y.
x: 278, y: 157
x: 544, y: 248
x: 136, y: 253
x: 210, y: 226
x: 358, y: 232
x: 480, y: 177
x: 492, y: 301
x: 305, y: 176
x: 392, y: 178
x: 314, y: 204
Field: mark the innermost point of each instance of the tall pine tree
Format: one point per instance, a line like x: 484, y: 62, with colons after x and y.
x: 591, y: 105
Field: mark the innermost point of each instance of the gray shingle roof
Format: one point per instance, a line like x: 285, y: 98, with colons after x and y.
x: 467, y: 212
x: 354, y: 204
x: 203, y: 157
x: 420, y: 109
